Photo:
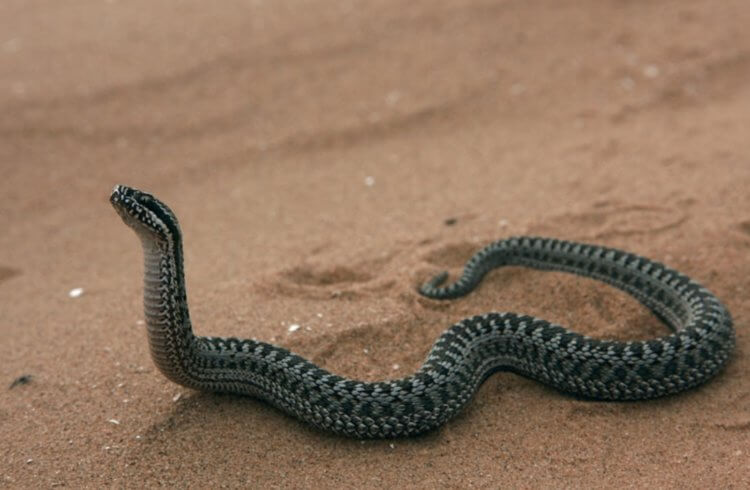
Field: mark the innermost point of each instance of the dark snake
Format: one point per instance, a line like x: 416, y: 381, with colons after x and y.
x: 463, y: 356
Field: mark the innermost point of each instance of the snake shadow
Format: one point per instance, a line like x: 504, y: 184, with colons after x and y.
x: 201, y: 414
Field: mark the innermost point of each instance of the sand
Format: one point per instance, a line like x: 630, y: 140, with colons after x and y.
x: 326, y: 157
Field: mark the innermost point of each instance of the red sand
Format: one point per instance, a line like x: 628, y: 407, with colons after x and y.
x: 620, y: 123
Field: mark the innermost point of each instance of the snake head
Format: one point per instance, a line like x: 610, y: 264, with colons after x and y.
x: 146, y: 215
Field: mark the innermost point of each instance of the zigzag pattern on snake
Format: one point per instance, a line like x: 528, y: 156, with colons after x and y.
x: 463, y: 356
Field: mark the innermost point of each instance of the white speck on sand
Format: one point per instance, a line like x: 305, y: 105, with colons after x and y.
x: 75, y: 292
x: 651, y: 71
x: 293, y: 327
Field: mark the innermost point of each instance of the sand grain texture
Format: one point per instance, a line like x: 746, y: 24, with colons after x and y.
x: 324, y: 159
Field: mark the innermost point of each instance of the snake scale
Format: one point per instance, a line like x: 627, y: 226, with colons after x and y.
x: 463, y: 356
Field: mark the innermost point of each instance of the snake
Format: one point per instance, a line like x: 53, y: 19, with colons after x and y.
x: 698, y: 346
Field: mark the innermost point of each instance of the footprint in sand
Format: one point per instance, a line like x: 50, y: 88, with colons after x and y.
x: 604, y: 219
x: 7, y: 273
x: 452, y: 255
x: 744, y: 227
x: 325, y: 276
x: 325, y: 281
x: 607, y: 219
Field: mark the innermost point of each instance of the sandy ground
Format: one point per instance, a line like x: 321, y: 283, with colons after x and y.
x: 314, y: 152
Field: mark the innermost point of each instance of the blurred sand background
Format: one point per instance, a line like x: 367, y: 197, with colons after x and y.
x: 326, y: 157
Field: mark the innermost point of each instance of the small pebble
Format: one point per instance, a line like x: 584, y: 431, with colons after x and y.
x: 369, y: 181
x: 651, y: 71
x: 114, y: 421
x: 450, y: 221
x: 176, y: 397
x: 396, y: 366
x: 75, y: 292
x: 293, y: 327
x: 21, y: 380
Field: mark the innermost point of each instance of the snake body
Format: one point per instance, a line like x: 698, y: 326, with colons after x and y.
x: 463, y: 356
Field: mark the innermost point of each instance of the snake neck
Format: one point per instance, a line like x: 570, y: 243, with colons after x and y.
x: 170, y: 334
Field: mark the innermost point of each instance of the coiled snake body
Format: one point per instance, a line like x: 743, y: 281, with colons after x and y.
x: 461, y: 358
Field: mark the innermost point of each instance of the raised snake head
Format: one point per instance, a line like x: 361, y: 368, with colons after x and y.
x: 151, y: 219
